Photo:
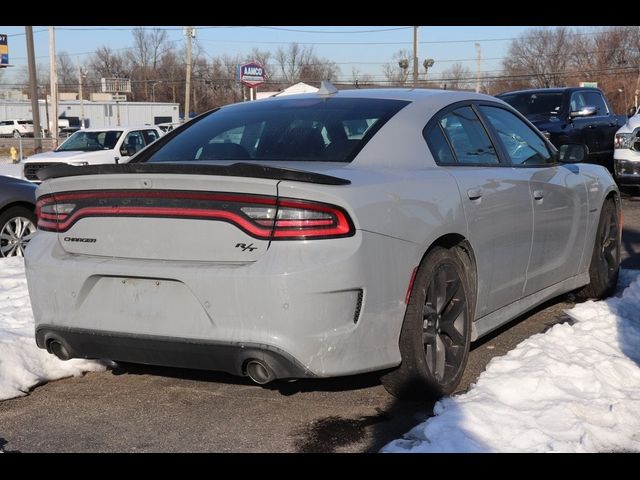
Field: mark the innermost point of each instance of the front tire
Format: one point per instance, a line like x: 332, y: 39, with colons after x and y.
x: 436, y: 332
x: 605, y: 258
x: 17, y: 226
x: 16, y: 134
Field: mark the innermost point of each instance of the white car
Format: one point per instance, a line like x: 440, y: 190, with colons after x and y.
x: 626, y: 154
x: 16, y: 128
x: 94, y: 146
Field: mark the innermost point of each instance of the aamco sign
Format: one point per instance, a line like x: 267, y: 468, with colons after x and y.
x: 252, y: 74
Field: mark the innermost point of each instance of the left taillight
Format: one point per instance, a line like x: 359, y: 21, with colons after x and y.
x: 263, y: 217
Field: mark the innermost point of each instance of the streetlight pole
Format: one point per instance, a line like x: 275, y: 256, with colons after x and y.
x: 153, y: 90
x: 54, y: 87
x: 33, y: 85
x: 189, y: 33
x: 80, y: 76
x: 415, y: 57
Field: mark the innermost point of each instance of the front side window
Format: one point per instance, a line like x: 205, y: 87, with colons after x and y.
x: 133, y: 143
x: 84, y: 141
x: 307, y: 129
x: 523, y: 145
x: 150, y: 136
x: 467, y: 136
x: 595, y: 98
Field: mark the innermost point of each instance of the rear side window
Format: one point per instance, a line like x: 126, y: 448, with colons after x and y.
x: 307, y: 129
x: 438, y: 145
x: 469, y: 139
x: 25, y: 122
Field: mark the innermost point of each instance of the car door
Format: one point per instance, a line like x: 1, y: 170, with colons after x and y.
x: 559, y: 200
x: 584, y: 128
x: 606, y: 126
x: 496, y: 202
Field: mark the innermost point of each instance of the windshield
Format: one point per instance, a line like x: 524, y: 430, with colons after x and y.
x: 307, y: 129
x: 84, y: 141
x: 535, y: 103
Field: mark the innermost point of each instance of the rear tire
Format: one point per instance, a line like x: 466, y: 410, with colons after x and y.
x: 436, y: 332
x: 605, y: 257
x: 16, y: 134
x: 17, y: 226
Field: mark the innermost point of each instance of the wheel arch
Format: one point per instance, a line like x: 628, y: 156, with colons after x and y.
x: 463, y: 248
x: 27, y: 205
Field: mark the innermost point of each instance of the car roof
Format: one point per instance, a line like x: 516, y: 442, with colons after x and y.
x: 415, y: 95
x: 548, y: 90
x: 121, y: 128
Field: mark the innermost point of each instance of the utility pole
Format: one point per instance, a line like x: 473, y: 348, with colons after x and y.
x: 80, y: 94
x: 415, y: 57
x: 53, y: 127
x: 189, y: 33
x: 478, y: 60
x: 33, y: 86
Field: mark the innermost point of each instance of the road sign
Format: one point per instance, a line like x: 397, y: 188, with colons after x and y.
x: 118, y: 98
x: 252, y: 74
x: 4, y: 51
x: 589, y: 84
x: 116, y: 85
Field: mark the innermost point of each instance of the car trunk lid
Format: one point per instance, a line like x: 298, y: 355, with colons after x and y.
x: 161, y: 217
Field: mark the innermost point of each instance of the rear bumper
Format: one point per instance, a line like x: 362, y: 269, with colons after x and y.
x: 335, y: 306
x: 152, y: 350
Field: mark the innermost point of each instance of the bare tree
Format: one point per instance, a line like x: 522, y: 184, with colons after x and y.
x: 148, y: 47
x: 396, y: 72
x: 67, y: 73
x: 540, y: 55
x: 360, y: 79
x: 301, y: 64
x: 458, y: 77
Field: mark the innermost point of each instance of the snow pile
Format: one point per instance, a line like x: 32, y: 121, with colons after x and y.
x: 22, y: 364
x: 575, y: 388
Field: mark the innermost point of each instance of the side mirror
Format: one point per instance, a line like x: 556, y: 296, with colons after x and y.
x: 573, y: 153
x: 585, y: 111
x: 632, y: 112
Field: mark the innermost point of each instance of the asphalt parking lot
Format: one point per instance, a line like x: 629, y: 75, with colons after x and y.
x: 148, y: 409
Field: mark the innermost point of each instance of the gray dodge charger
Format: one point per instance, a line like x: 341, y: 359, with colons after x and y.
x: 321, y: 235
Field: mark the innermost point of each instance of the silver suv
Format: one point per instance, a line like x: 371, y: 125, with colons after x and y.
x: 16, y: 128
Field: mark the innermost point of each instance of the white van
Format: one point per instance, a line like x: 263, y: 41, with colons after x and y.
x: 92, y: 146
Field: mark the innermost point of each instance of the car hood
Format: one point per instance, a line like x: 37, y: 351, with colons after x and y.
x: 64, y: 157
x: 631, y: 125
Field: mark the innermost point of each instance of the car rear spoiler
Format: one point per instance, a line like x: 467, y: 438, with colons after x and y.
x: 239, y: 169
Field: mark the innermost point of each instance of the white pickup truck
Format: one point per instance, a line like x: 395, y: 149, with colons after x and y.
x: 92, y: 146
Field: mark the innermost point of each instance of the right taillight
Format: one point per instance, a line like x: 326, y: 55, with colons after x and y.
x: 294, y: 219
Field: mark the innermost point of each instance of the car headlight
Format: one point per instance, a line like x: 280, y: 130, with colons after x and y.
x: 78, y: 164
x: 623, y: 140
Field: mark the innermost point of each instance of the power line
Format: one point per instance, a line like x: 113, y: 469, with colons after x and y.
x: 334, y: 31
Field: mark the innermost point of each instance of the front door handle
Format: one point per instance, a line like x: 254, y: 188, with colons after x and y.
x: 538, y: 194
x: 474, y: 193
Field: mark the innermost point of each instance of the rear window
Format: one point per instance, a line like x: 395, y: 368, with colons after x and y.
x: 307, y: 129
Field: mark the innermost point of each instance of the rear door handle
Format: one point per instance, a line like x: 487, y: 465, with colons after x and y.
x: 538, y: 194
x: 474, y: 193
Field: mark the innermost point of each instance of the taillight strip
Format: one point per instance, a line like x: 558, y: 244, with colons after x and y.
x: 225, y: 207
